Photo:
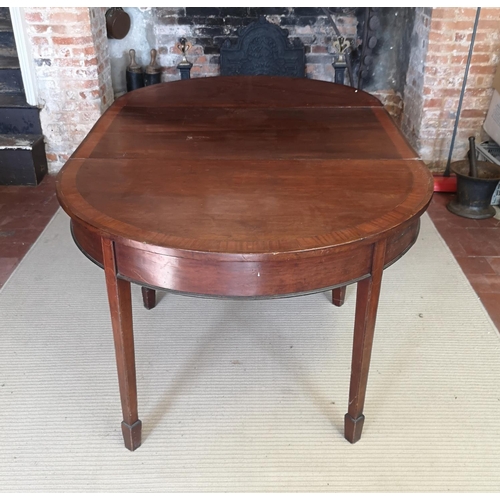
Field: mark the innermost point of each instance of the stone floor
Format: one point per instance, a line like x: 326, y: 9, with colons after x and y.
x: 476, y: 246
x: 25, y: 211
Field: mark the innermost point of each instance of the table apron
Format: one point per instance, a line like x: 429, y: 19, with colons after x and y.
x: 301, y: 273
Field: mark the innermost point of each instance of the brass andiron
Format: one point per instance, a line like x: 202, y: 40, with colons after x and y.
x: 184, y: 66
x: 341, y: 46
x: 152, y: 75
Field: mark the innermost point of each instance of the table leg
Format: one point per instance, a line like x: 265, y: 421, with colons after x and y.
x: 368, y: 291
x: 338, y: 296
x: 120, y: 304
x: 148, y: 297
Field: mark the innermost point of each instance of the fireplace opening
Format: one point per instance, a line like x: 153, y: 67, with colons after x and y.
x: 380, y: 61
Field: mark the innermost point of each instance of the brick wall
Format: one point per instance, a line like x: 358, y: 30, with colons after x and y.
x: 72, y: 69
x: 433, y: 89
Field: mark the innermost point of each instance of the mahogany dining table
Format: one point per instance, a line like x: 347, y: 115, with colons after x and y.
x: 244, y: 187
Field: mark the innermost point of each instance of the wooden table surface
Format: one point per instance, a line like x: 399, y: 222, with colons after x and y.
x: 244, y: 187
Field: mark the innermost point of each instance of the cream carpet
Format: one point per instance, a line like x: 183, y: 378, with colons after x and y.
x: 247, y: 395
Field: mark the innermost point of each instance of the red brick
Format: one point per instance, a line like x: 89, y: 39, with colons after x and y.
x: 439, y: 13
x: 469, y: 13
x: 34, y: 17
x: 490, y: 13
x: 451, y: 25
x: 480, y: 58
x: 473, y: 113
x: 482, y: 70
x: 63, y: 52
x: 433, y: 103
x: 91, y: 62
x: 170, y: 71
x: 87, y: 84
x: 432, y: 70
x: 437, y: 25
x: 41, y: 28
x: 85, y: 72
x: 39, y: 40
x: 448, y: 92
x: 66, y: 62
x: 481, y: 36
x: 485, y: 47
x: 77, y: 40
x: 461, y: 60
x: 477, y: 92
x: 66, y: 17
x: 489, y: 24
x: 437, y: 59
x: 463, y: 25
x: 70, y: 29
x: 479, y: 81
x: 447, y: 48
x: 452, y: 13
x: 435, y: 36
x: 83, y: 51
x: 196, y: 50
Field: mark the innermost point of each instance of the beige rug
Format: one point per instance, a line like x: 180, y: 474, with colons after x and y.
x: 247, y: 396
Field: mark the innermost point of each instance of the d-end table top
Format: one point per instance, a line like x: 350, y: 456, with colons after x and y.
x: 245, y: 165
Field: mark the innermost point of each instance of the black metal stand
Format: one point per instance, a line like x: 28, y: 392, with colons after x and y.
x: 185, y: 70
x: 339, y: 68
x: 151, y: 79
x: 134, y: 80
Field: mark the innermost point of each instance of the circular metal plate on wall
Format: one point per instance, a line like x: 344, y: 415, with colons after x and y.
x: 117, y: 23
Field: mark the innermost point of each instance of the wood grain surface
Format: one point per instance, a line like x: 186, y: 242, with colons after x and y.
x: 248, y: 179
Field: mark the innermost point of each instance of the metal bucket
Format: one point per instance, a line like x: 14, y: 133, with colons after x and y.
x: 474, y: 193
